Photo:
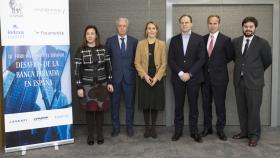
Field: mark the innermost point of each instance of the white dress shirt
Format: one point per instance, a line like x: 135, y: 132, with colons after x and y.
x: 244, y: 42
x: 215, y: 38
x: 125, y: 40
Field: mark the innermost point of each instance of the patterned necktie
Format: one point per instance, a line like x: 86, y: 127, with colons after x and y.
x: 211, y: 45
x: 122, y: 46
x: 246, y: 47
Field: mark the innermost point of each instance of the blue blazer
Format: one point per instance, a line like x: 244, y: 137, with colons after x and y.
x: 191, y: 62
x: 122, y: 65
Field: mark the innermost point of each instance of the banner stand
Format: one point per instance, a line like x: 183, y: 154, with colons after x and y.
x: 23, y: 149
x: 36, y: 70
x: 1, y: 106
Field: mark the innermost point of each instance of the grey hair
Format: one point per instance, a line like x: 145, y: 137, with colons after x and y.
x: 122, y: 18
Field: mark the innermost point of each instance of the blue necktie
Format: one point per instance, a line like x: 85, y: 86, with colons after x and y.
x: 122, y: 46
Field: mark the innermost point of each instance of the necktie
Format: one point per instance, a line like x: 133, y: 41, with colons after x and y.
x: 211, y: 45
x: 246, y: 47
x: 122, y: 46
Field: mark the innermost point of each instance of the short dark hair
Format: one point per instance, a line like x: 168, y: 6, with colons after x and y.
x: 97, y: 40
x: 185, y: 15
x: 250, y: 19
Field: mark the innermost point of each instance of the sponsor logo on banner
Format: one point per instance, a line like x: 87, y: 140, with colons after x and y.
x: 38, y: 119
x: 16, y: 8
x: 15, y: 32
x: 49, y: 33
x: 50, y: 11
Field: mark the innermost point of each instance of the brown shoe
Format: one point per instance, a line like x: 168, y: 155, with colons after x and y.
x: 153, y: 132
x: 253, y: 142
x: 147, y: 133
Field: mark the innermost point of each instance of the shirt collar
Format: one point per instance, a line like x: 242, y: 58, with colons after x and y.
x: 119, y: 37
x: 214, y: 34
x: 187, y: 33
x: 250, y: 38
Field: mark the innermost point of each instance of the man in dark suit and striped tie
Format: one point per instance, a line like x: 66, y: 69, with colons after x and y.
x: 219, y: 53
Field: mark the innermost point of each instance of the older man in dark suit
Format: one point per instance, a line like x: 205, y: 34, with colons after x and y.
x: 186, y: 57
x: 219, y: 53
x: 252, y: 57
x: 121, y: 48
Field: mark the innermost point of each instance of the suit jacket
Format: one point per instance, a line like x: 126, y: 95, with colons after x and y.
x: 142, y: 58
x: 216, y: 65
x: 253, y: 64
x: 122, y: 65
x: 191, y: 62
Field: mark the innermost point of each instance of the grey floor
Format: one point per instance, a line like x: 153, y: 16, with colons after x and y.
x: 163, y: 147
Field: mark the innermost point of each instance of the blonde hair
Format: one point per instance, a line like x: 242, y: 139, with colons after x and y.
x: 146, y: 27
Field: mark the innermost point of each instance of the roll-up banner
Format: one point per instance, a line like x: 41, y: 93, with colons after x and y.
x: 36, y: 73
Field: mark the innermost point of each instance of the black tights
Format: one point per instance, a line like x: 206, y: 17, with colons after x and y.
x: 98, y: 116
x: 150, y: 112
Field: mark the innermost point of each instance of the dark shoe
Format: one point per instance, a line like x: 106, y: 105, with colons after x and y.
x: 196, y: 137
x: 239, y: 136
x: 90, y: 140
x: 115, y: 132
x: 176, y: 136
x: 130, y: 132
x: 206, y: 131
x: 153, y: 132
x: 222, y: 135
x: 100, y: 140
x: 147, y: 133
x: 253, y: 142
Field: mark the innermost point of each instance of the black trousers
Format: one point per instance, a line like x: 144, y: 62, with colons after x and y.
x: 96, y: 118
x: 217, y: 93
x: 248, y: 105
x: 180, y: 89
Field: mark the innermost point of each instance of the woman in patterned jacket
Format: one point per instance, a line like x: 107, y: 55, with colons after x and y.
x: 93, y: 72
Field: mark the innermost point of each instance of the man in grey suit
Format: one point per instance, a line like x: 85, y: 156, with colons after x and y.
x: 252, y: 58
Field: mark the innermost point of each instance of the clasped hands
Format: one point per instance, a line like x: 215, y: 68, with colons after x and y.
x: 81, y: 94
x: 185, y: 77
x: 151, y: 81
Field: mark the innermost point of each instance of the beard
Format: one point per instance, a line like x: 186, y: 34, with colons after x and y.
x: 248, y: 33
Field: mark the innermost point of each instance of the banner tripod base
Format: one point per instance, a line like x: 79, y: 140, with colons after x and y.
x: 56, y: 147
x: 54, y: 144
x: 23, y: 151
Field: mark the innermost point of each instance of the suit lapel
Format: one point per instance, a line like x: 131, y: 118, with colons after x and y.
x: 189, y: 47
x: 206, y: 40
x: 117, y: 45
x: 156, y: 51
x: 216, y: 45
x: 180, y: 44
x: 239, y: 46
x: 128, y: 46
x: 146, y: 50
